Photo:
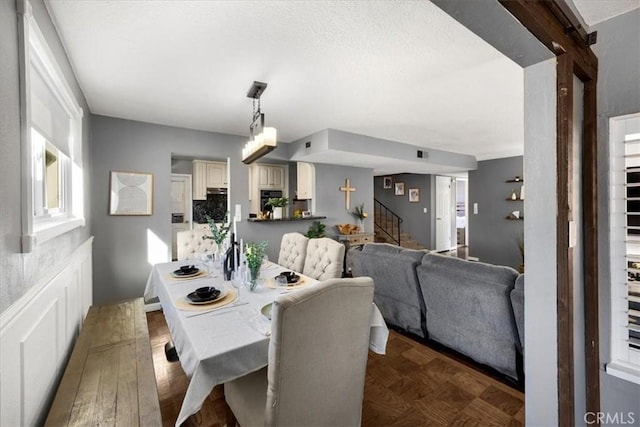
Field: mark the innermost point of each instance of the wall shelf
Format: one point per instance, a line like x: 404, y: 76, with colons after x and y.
x: 518, y: 194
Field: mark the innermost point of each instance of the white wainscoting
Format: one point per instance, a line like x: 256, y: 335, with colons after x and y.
x: 37, y: 334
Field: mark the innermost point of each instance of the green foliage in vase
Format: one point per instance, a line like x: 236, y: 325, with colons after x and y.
x: 278, y: 202
x: 219, y: 230
x: 254, y: 252
x: 359, y: 213
x: 316, y: 230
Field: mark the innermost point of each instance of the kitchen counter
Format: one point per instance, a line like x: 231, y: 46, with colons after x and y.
x: 309, y: 218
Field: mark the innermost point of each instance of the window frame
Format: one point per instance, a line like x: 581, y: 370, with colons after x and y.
x: 35, y: 54
x: 624, y: 362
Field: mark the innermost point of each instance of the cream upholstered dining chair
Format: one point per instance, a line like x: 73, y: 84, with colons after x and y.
x: 324, y: 260
x: 317, y: 359
x: 190, y: 242
x: 293, y: 250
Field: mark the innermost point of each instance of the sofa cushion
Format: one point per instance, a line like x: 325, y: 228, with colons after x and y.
x: 517, y: 302
x: 469, y: 309
x: 397, y: 292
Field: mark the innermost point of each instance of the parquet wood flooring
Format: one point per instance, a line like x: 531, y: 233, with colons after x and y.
x: 412, y: 385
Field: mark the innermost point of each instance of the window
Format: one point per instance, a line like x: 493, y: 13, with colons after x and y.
x: 52, y: 143
x: 625, y: 247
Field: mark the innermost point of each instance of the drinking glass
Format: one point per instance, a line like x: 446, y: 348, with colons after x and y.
x: 281, y: 281
x: 209, y: 261
x: 237, y: 281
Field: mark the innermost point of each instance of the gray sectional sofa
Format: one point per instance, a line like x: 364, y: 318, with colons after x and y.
x: 467, y: 306
x: 397, y: 291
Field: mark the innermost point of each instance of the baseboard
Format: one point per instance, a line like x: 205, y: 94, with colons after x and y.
x: 154, y: 306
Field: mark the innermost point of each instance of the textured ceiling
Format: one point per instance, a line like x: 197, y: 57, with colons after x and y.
x: 402, y: 70
x: 398, y: 70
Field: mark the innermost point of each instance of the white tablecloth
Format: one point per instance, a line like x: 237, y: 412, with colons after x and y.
x: 224, y: 344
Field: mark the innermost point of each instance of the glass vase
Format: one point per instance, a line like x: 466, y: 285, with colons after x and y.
x: 254, y: 273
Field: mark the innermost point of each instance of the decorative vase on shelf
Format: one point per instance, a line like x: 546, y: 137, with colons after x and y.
x: 514, y: 196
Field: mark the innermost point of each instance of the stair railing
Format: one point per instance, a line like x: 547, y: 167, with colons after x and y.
x: 387, y: 221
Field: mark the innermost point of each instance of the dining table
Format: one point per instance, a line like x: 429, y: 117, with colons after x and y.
x: 224, y: 340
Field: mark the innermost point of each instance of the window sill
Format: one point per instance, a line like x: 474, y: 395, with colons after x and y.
x: 624, y: 371
x: 47, y: 230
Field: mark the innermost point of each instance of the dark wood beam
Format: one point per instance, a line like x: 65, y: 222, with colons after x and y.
x: 538, y: 17
x: 564, y: 168
x: 590, y: 252
x: 554, y: 24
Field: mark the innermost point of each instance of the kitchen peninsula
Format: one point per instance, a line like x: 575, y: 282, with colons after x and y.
x: 308, y: 218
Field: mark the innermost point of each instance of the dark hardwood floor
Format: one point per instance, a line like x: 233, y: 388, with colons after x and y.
x: 412, y: 385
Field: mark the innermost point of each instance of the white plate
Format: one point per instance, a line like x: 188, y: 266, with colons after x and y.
x: 266, y: 310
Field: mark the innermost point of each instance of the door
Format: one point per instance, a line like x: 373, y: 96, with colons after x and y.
x: 443, y: 213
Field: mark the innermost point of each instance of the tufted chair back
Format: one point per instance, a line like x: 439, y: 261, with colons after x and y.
x: 190, y: 242
x: 317, y: 359
x: 324, y: 260
x: 293, y: 250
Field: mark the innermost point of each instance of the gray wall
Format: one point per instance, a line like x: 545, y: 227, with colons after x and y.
x: 415, y: 221
x: 540, y: 315
x: 492, y: 238
x: 121, y: 259
x: 618, y: 51
x: 18, y: 271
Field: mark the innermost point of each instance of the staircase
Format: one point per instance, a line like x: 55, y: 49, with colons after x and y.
x: 387, y: 228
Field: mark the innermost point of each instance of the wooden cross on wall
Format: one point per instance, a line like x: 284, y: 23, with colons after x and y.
x: 347, y: 192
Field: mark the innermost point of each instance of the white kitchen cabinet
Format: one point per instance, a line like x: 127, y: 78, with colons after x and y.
x: 217, y: 175
x: 265, y: 177
x: 208, y: 175
x: 271, y: 177
x: 306, y: 179
x: 199, y: 180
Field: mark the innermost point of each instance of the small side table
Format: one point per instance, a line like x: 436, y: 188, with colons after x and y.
x: 350, y: 241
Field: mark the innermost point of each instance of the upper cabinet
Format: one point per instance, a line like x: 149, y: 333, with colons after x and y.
x: 208, y: 175
x: 266, y: 177
x: 270, y: 177
x: 305, y: 179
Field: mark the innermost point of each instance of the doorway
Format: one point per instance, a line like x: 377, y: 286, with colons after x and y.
x: 180, y: 208
x: 462, y: 215
x: 444, y: 198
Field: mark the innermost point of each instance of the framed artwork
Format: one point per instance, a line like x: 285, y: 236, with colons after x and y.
x: 131, y: 193
x: 386, y: 182
x: 414, y: 195
x: 399, y: 189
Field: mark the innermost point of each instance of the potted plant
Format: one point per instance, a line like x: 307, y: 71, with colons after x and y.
x: 316, y: 230
x: 277, y: 203
x: 359, y: 214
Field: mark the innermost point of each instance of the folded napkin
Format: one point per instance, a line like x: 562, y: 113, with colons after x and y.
x: 261, y: 324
